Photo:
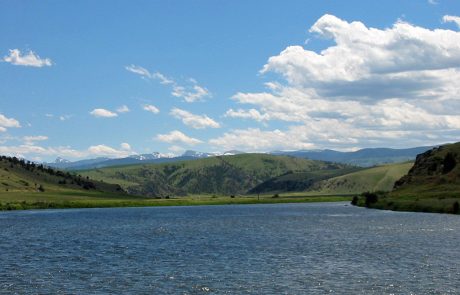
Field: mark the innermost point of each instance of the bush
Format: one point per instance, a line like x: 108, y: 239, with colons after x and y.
x: 370, y: 198
x: 455, y: 207
x: 354, y: 201
x: 276, y: 196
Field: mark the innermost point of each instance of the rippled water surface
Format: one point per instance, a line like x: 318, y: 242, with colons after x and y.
x: 250, y: 249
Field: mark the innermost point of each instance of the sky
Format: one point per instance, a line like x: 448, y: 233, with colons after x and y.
x: 86, y: 79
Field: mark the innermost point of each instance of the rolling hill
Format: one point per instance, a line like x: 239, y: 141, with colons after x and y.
x: 380, y: 178
x: 236, y: 174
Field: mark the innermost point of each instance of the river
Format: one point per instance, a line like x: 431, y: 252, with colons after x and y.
x: 314, y: 248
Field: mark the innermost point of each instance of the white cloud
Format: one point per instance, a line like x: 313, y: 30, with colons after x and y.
x: 125, y: 146
x: 451, y: 18
x: 29, y: 60
x: 402, y: 61
x: 196, y: 93
x: 194, y: 121
x: 29, y: 150
x: 177, y: 137
x: 2, y: 129
x: 6, y: 122
x: 123, y: 109
x: 104, y: 150
x: 372, y: 87
x: 151, y: 108
x: 32, y: 139
x: 146, y: 74
x: 247, y: 114
x: 433, y: 2
x: 256, y: 140
x: 191, y: 93
x: 103, y: 113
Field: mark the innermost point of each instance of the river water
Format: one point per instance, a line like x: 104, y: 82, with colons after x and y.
x: 320, y: 248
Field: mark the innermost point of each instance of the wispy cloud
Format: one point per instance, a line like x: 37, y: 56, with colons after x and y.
x: 123, y: 109
x: 177, y: 137
x: 150, y: 108
x: 194, y: 121
x: 32, y: 150
x: 247, y: 114
x: 146, y: 74
x: 31, y: 59
x: 189, y: 93
x: 32, y: 139
x: 103, y: 113
x: 451, y: 18
x: 6, y: 122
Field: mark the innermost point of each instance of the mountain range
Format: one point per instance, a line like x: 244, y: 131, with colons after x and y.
x: 363, y: 158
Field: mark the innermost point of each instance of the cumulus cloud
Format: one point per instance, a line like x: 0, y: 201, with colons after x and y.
x: 451, y: 18
x: 190, y: 93
x: 150, y: 108
x: 31, y: 59
x: 194, y: 121
x: 2, y: 129
x: 177, y: 137
x: 372, y: 86
x: 103, y: 113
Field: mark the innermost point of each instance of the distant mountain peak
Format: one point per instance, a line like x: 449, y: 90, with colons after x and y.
x: 195, y: 154
x: 60, y: 160
x: 151, y: 156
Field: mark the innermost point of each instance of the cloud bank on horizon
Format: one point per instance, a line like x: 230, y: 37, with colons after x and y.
x: 369, y: 87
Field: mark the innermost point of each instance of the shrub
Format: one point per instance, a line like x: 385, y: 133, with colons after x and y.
x: 354, y: 201
x: 370, y: 198
x: 455, y: 207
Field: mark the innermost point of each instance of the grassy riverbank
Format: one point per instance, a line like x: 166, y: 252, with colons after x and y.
x: 78, y: 199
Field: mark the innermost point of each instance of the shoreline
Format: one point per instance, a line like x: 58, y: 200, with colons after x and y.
x: 74, y: 202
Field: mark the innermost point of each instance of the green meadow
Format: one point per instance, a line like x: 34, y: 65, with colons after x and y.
x: 78, y: 199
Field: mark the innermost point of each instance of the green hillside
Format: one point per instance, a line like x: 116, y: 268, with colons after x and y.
x: 24, y: 176
x: 24, y: 185
x: 299, y: 181
x: 215, y: 175
x: 431, y: 185
x: 380, y: 178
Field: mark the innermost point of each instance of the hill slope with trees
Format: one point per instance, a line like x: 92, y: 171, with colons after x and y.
x: 236, y: 174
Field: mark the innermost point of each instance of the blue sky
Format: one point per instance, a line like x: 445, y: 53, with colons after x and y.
x: 113, y: 78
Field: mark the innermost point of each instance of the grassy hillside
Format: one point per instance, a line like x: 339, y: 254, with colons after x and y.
x: 216, y: 175
x: 299, y: 181
x: 25, y: 184
x: 23, y: 176
x: 431, y: 185
x: 380, y: 178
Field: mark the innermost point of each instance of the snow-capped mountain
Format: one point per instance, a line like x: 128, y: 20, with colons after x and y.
x: 60, y: 160
x: 152, y: 156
